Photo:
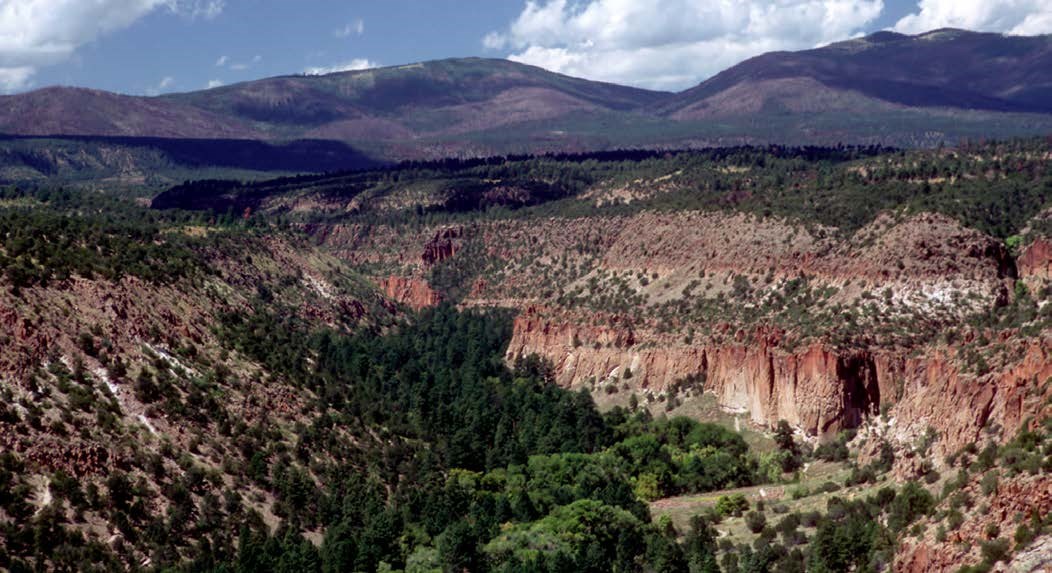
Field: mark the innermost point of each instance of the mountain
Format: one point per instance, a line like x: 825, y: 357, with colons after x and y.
x: 78, y: 111
x: 945, y: 68
x: 438, y: 97
x: 907, y: 91
x: 431, y: 98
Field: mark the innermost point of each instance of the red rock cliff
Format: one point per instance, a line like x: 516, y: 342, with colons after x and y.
x: 817, y: 388
x: 414, y: 293
x: 1036, y: 261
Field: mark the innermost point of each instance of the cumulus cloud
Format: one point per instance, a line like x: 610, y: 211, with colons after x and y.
x: 671, y: 44
x: 225, y: 61
x: 162, y: 86
x: 36, y: 33
x: 214, y: 84
x: 206, y: 9
x: 14, y: 79
x: 352, y: 65
x: 1022, y: 17
x: 355, y: 28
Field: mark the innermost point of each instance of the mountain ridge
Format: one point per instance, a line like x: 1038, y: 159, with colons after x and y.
x: 859, y: 65
x: 910, y: 91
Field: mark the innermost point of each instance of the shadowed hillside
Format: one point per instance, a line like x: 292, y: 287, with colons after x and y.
x: 940, y: 69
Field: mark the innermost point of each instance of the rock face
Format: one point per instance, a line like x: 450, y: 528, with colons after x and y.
x: 1016, y: 497
x: 441, y: 247
x: 816, y: 388
x: 414, y: 293
x: 1036, y: 261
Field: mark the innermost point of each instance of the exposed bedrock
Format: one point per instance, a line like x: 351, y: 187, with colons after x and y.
x: 817, y: 388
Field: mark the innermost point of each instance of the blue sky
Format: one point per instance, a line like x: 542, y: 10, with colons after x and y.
x: 159, y: 46
x: 288, y: 36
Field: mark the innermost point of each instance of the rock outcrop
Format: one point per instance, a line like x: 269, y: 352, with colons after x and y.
x: 414, y: 293
x: 1036, y: 260
x: 442, y: 246
x: 1014, y: 499
x: 817, y: 388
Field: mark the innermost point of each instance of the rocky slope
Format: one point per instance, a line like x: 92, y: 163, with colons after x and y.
x: 111, y: 332
x: 991, y: 515
x: 131, y: 377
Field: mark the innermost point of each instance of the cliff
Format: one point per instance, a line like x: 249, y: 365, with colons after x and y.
x: 818, y: 388
x: 1036, y: 260
x: 414, y: 293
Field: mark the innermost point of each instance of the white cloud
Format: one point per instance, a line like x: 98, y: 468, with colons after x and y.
x: 355, y: 28
x: 224, y: 61
x: 14, y: 79
x: 671, y: 44
x: 214, y: 84
x: 494, y: 41
x: 36, y: 33
x: 207, y: 9
x: 1022, y: 17
x: 353, y: 65
x: 163, y: 85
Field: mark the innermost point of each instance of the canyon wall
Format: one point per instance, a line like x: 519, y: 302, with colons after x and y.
x: 593, y: 293
x: 817, y: 388
x: 814, y: 388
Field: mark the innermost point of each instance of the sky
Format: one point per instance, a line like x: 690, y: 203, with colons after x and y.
x: 150, y: 47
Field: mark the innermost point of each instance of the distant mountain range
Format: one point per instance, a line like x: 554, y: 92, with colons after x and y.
x: 887, y: 88
x: 948, y: 69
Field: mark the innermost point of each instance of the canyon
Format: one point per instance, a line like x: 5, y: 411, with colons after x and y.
x: 855, y: 294
x: 765, y: 371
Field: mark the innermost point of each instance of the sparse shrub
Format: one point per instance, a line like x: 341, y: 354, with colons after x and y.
x: 988, y: 484
x: 828, y: 487
x: 994, y: 550
x: 734, y: 504
x: 755, y: 521
x: 810, y: 518
x: 954, y: 519
x: 1023, y: 535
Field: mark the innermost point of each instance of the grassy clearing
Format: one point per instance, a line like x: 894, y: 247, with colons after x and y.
x: 703, y: 408
x: 681, y: 509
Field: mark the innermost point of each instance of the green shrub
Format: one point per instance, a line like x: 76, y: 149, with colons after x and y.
x: 988, y: 484
x: 994, y: 550
x: 734, y: 504
x: 755, y: 521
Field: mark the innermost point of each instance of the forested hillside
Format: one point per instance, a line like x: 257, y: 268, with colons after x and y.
x: 739, y: 359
